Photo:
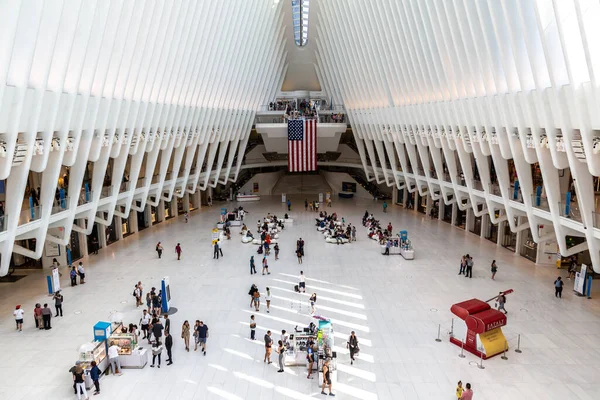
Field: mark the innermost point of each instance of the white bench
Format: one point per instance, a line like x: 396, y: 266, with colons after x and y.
x: 334, y: 240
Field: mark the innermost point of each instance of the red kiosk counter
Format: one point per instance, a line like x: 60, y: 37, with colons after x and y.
x: 480, y: 328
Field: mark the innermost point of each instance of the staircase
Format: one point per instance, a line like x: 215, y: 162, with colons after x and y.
x: 305, y: 184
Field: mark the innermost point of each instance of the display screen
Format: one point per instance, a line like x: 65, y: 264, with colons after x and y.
x: 349, y: 187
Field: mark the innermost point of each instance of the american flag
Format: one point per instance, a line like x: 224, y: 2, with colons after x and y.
x: 302, y: 145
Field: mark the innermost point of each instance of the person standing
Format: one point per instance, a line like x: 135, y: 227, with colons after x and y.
x: 219, y: 247
x: 145, y: 322
x: 58, y: 300
x: 326, y: 378
x: 186, y: 217
x: 352, y: 345
x: 157, y: 349
x: 37, y: 313
x: 157, y: 329
x: 256, y: 296
x: 268, y: 344
x: 353, y: 233
x: 384, y: 206
x: 463, y: 265
x: 18, y: 313
x: 459, y: 390
x: 252, y: 328
x: 81, y: 272
x: 265, y: 265
x: 159, y: 249
x: 469, y: 273
x: 276, y: 248
x: 467, y: 394
x: 178, y: 251
x: 185, y: 334
x: 501, y: 301
x: 202, y: 335
x: 167, y: 323
x: 299, y: 255
x: 78, y: 378
x: 281, y: 351
x: 302, y: 282
x: 95, y: 375
x: 268, y: 300
x: 494, y: 269
x: 113, y: 359
x: 289, y: 205
x: 252, y: 266
x: 558, y: 287
x: 46, y: 316
x: 73, y: 275
x: 253, y: 289
x: 216, y: 250
x: 209, y: 201
x: 169, y: 347
x: 310, y: 358
x: 388, y: 244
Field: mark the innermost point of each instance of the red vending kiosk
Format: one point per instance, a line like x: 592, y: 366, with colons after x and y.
x: 480, y: 328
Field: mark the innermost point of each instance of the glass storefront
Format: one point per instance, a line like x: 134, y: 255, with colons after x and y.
x: 400, y: 196
x: 111, y: 232
x: 141, y: 220
x: 509, y: 240
x: 447, y: 211
x: 529, y: 247
x: 93, y: 240
x: 154, y: 215
x: 125, y: 227
x: 422, y: 204
x: 168, y: 213
x: 461, y: 218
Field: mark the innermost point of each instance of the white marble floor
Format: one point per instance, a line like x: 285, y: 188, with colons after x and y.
x: 394, y: 306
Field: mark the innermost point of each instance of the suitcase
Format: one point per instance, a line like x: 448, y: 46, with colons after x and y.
x: 296, y: 289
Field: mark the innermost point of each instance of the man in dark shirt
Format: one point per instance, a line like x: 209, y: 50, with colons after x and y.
x: 202, y: 335
x: 46, y: 316
x: 167, y: 323
x: 157, y: 329
x: 169, y: 346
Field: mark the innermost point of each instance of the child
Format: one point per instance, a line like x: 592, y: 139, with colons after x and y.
x: 459, y: 390
x: 95, y: 375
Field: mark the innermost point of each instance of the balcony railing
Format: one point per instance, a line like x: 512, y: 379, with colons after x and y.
x: 60, y: 205
x: 495, y: 190
x: 85, y: 197
x: 596, y: 219
x: 477, y: 185
x: 540, y: 202
x: 30, y: 215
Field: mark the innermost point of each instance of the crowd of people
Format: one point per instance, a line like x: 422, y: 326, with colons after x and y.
x: 376, y: 231
x: 331, y: 227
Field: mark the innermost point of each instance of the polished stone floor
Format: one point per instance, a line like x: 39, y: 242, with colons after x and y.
x: 395, y: 307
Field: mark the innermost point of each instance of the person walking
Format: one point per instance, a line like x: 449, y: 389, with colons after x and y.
x: 276, y: 248
x: 78, y: 378
x: 281, y: 352
x: 81, y: 272
x: 252, y: 328
x: 494, y: 269
x: 326, y: 378
x: 159, y: 249
x: 353, y: 233
x: 302, y: 282
x: 137, y: 293
x: 252, y: 266
x: 268, y: 344
x: 467, y: 394
x: 469, y: 261
x: 219, y: 248
x: 313, y: 300
x: 256, y: 298
x: 95, y: 375
x: 37, y: 314
x: 268, y: 300
x: 289, y: 205
x: 178, y: 251
x: 558, y: 287
x: 265, y: 265
x: 169, y: 347
x: 186, y: 217
x: 352, y: 345
x: 202, y: 336
x: 501, y: 301
x: 299, y: 255
x: 384, y: 206
x: 388, y: 244
x: 113, y: 359
x: 157, y: 349
x: 18, y: 313
x: 185, y: 334
x: 73, y: 275
x: 46, y: 316
x: 58, y: 300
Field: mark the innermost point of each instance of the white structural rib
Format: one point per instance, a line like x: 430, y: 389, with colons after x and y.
x: 160, y: 92
x: 439, y: 91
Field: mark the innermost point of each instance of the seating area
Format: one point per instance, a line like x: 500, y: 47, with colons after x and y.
x: 334, y: 230
x: 268, y: 232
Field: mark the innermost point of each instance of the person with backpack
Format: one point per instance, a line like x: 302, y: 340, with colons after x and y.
x: 137, y: 293
x: 159, y: 249
x: 501, y: 301
x: 253, y: 289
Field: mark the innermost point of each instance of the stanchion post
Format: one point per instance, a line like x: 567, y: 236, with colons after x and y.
x: 462, y: 350
x: 505, y: 347
x: 438, y: 336
x: 452, y: 328
x: 518, y: 349
x: 480, y: 366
